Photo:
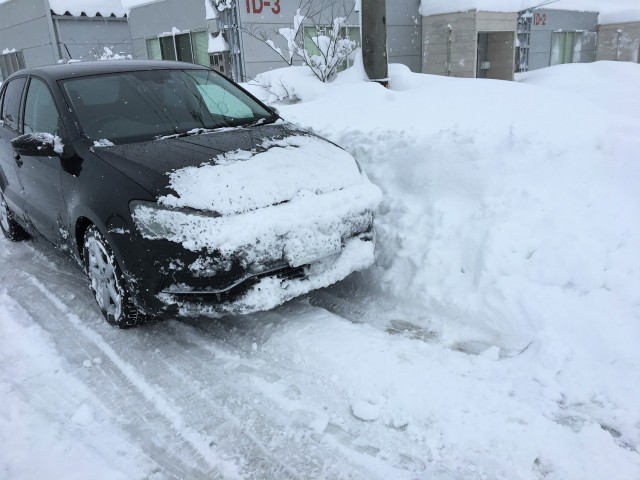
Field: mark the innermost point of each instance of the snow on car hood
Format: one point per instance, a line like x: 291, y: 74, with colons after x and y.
x: 273, y: 172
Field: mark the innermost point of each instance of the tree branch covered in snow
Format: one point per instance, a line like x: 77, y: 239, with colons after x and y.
x: 331, y: 46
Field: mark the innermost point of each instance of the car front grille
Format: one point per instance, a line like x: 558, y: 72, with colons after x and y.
x: 226, y: 284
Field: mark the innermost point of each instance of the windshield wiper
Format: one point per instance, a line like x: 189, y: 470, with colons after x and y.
x: 263, y: 121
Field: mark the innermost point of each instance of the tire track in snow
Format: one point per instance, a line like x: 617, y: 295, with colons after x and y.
x: 230, y: 409
x: 148, y: 391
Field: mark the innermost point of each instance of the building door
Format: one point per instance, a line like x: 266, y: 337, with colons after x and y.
x: 483, y: 63
x: 496, y: 55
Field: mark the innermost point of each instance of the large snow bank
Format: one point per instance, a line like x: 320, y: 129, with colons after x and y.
x: 510, y: 215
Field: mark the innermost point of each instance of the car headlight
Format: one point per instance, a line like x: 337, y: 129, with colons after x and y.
x: 158, y: 221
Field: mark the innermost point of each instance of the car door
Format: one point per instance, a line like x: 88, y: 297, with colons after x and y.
x: 9, y: 122
x: 40, y: 176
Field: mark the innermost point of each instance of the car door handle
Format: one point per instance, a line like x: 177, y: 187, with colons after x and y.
x: 18, y: 160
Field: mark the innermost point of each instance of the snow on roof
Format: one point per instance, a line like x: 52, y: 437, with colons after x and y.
x: 89, y: 8
x: 210, y: 12
x: 217, y: 43
x: 611, y: 11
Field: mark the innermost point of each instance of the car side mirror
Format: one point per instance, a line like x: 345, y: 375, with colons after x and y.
x: 37, y: 145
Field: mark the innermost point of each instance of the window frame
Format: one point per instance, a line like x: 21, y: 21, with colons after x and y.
x: 176, y: 49
x: 5, y: 85
x: 576, y: 36
x: 23, y: 108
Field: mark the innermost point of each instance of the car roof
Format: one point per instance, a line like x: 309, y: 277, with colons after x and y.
x: 81, y: 69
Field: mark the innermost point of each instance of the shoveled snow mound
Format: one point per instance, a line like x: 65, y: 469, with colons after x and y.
x: 511, y: 215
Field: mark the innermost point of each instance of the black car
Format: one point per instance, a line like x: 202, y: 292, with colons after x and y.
x: 176, y: 190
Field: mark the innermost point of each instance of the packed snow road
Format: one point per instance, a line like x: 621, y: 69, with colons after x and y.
x: 197, y: 399
x: 297, y: 392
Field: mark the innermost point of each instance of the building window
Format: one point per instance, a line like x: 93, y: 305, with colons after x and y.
x: 184, y: 47
x: 219, y: 62
x: 350, y: 32
x: 566, y: 47
x: 11, y: 62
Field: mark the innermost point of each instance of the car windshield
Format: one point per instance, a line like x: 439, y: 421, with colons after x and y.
x: 132, y: 107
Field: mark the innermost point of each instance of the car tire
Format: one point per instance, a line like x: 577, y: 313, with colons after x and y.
x: 10, y: 228
x: 107, y: 282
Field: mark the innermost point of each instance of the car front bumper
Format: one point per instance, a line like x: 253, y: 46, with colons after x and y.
x: 212, y: 265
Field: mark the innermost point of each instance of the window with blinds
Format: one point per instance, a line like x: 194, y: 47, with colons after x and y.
x: 566, y: 47
x: 185, y: 47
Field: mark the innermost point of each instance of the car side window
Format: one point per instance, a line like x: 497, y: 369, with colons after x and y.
x: 40, y: 112
x: 11, y: 103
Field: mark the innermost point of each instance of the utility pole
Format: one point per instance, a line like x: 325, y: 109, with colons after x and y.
x: 374, y: 40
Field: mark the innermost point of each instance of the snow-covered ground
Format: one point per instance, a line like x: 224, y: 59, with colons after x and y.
x: 494, y: 338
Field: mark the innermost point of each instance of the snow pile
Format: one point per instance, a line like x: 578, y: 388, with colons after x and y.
x: 510, y: 213
x: 217, y: 43
x: 294, y: 84
x: 108, y: 54
x: 210, y: 12
x: 480, y: 209
x: 287, y: 85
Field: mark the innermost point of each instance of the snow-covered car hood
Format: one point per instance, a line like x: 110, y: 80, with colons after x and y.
x: 236, y: 170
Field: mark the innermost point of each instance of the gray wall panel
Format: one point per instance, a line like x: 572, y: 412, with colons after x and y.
x: 545, y: 22
x: 85, y: 38
x: 24, y: 26
x: 160, y: 17
x: 16, y: 12
x: 404, y: 33
x: 462, y: 57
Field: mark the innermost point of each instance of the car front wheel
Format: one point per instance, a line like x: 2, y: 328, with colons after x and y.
x: 9, y: 226
x: 107, y: 282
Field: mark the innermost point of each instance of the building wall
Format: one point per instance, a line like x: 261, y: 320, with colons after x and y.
x: 501, y: 28
x: 259, y: 20
x: 545, y: 22
x: 265, y: 22
x: 25, y: 26
x: 404, y: 33
x: 501, y: 55
x: 85, y: 37
x: 460, y: 60
x: 619, y: 41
